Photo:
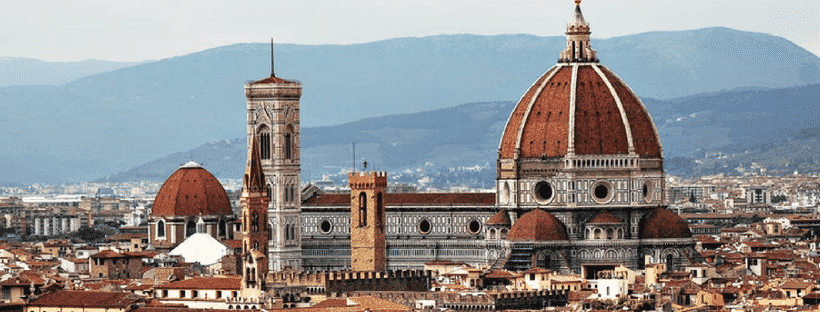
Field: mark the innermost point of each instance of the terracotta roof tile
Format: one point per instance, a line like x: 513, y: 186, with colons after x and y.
x: 85, y: 299
x: 191, y: 191
x: 501, y: 219
x: 663, y: 223
x: 232, y: 282
x: 537, y: 225
x: 605, y: 218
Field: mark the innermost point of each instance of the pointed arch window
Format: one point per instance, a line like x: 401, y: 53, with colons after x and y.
x: 255, y: 222
x: 264, y: 142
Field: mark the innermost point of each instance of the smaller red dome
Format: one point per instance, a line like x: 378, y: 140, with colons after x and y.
x: 605, y: 218
x: 499, y: 219
x: 537, y: 225
x: 191, y: 191
x: 663, y: 223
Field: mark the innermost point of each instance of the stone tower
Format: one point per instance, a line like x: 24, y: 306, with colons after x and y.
x: 367, y: 241
x: 255, y: 201
x: 273, y: 120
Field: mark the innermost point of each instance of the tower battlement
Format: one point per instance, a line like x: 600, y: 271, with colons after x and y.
x: 368, y: 180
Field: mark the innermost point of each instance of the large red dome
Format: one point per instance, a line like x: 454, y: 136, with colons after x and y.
x: 583, y: 107
x: 189, y: 191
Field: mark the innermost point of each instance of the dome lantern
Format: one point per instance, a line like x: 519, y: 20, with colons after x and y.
x: 578, y: 48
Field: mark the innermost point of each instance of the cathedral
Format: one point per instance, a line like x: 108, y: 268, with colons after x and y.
x: 579, y: 189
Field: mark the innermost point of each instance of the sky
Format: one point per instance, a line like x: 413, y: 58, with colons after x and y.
x: 157, y: 29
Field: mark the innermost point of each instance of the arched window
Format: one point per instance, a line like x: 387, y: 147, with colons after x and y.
x: 669, y: 262
x: 270, y: 193
x: 609, y: 234
x: 287, y: 232
x: 256, y: 222
x: 270, y: 233
x: 620, y: 233
x: 362, y: 209
x: 223, y: 228
x: 586, y: 234
x: 190, y: 228
x: 264, y: 142
x: 597, y: 233
x: 161, y: 228
x: 293, y: 232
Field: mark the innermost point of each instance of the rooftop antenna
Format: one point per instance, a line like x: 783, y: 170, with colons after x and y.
x: 354, y: 157
x: 271, y: 58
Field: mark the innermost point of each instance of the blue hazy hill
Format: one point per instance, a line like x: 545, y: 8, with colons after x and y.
x: 18, y: 71
x: 775, y: 128
x: 110, y: 122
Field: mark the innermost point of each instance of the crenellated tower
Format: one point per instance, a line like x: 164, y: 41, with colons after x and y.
x: 273, y: 120
x: 367, y: 239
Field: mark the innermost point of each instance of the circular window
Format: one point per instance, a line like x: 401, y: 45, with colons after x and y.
x: 425, y: 227
x: 543, y: 191
x: 325, y: 226
x: 602, y: 192
x: 474, y: 227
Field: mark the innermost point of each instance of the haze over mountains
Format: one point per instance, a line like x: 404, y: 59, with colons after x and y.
x: 111, y: 122
x: 16, y: 71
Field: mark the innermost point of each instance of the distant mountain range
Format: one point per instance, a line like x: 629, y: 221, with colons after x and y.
x: 110, y: 122
x: 726, y: 132
x: 18, y: 71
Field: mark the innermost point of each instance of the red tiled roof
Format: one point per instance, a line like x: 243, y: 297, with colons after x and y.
x: 539, y: 126
x: 107, y: 254
x: 537, y: 225
x: 605, y: 218
x: 125, y: 236
x: 421, y: 199
x: 85, y: 299
x: 231, y: 282
x: 191, y: 191
x: 501, y: 218
x: 24, y: 280
x: 663, y: 223
x: 233, y: 243
x: 272, y: 79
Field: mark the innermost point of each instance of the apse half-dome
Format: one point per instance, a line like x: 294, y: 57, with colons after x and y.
x: 538, y: 225
x: 191, y: 191
x: 663, y: 223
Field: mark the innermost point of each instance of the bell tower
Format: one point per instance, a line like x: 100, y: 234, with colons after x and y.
x: 367, y: 240
x: 255, y: 201
x: 273, y: 120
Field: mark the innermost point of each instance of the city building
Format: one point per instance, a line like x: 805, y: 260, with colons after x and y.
x: 191, y: 193
x: 580, y: 188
